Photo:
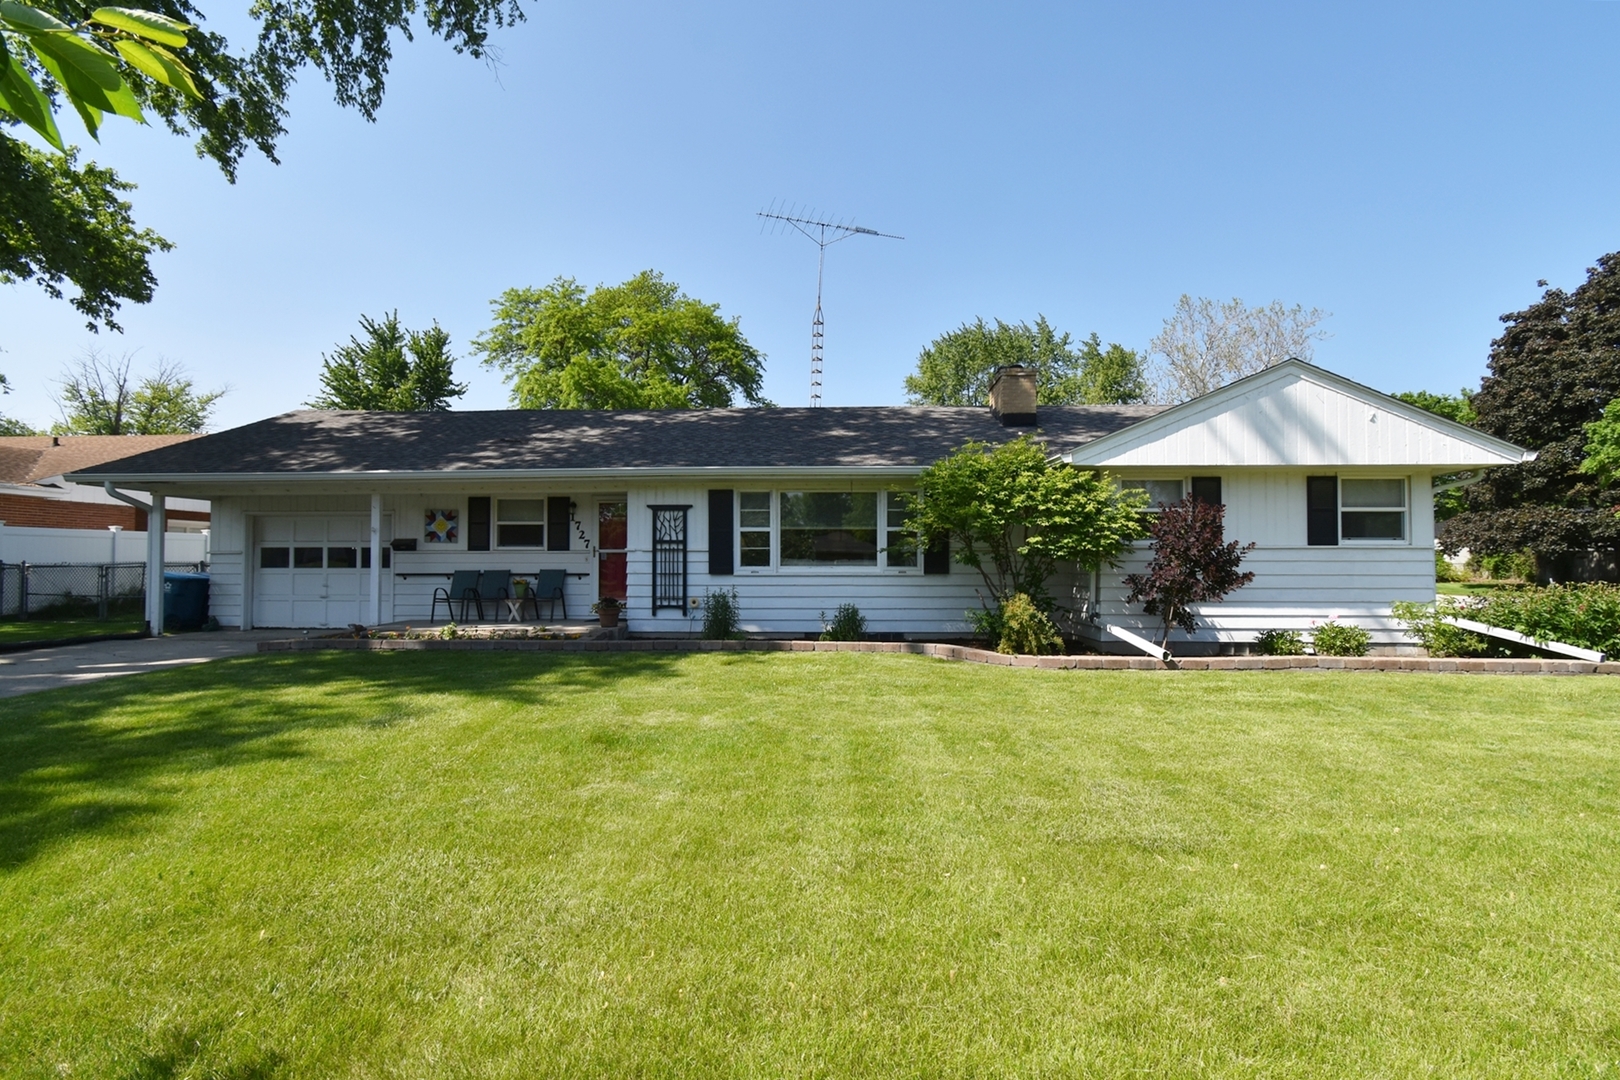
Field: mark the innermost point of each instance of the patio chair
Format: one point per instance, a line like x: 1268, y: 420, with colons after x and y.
x: 494, y: 587
x: 548, y: 589
x: 463, y: 588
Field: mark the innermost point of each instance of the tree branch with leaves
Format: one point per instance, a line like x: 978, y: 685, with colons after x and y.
x: 1015, y: 516
x: 1192, y: 563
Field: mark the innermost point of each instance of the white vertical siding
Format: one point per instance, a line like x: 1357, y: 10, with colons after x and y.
x: 1287, y: 419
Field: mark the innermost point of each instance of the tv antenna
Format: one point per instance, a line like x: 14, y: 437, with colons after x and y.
x: 822, y: 234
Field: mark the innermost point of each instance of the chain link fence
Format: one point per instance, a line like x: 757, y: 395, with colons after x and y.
x: 83, y: 591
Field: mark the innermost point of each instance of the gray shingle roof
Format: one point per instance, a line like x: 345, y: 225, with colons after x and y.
x: 321, y: 443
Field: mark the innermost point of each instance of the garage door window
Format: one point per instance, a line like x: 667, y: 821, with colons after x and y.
x: 308, y: 558
x: 520, y: 523
x: 342, y: 558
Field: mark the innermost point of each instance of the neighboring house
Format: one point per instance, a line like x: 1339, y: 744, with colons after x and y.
x: 794, y: 507
x: 34, y: 495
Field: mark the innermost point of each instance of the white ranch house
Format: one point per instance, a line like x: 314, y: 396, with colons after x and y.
x: 323, y: 519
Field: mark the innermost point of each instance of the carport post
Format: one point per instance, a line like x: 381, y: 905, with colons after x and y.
x: 155, y: 524
x: 376, y: 560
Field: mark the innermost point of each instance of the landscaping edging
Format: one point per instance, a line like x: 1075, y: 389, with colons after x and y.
x: 961, y: 653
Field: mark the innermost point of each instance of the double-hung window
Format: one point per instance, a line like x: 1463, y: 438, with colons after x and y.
x: 1352, y: 510
x: 520, y: 523
x: 1372, y: 509
x: 1160, y: 493
x: 754, y: 528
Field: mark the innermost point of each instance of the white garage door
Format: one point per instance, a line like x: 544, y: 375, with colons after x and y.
x: 313, y: 571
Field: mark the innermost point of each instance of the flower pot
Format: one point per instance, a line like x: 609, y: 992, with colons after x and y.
x: 609, y: 617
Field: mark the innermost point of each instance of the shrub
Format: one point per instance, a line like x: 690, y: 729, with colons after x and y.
x: 722, y: 615
x: 1444, y: 570
x: 1423, y: 621
x: 1340, y: 639
x: 1026, y: 629
x: 1514, y: 566
x: 1584, y: 615
x: 1280, y: 643
x: 848, y: 624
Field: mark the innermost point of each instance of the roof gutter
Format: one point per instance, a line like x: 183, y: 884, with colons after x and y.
x: 1467, y: 479
x: 121, y: 497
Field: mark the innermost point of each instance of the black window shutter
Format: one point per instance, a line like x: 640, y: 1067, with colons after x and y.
x: 557, y: 523
x: 1322, y: 511
x: 722, y: 559
x: 937, y: 556
x: 1207, y: 490
x: 478, y: 523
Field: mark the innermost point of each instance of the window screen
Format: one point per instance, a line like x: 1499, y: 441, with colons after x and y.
x: 1160, y: 492
x: 1372, y: 509
x: 900, y: 548
x: 520, y: 523
x: 754, y: 528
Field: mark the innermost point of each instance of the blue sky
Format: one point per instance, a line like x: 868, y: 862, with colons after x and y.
x: 1413, y: 169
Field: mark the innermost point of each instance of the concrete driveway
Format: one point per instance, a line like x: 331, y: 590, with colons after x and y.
x: 71, y: 665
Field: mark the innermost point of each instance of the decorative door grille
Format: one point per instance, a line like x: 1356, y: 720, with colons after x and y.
x: 669, y: 557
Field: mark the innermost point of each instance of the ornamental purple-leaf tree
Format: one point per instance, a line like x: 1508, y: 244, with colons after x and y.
x: 1192, y: 564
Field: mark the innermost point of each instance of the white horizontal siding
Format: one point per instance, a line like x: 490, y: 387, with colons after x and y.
x: 1294, y: 586
x: 1293, y: 589
x: 788, y: 601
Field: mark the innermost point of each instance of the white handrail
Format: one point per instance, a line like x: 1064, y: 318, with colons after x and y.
x: 1590, y: 655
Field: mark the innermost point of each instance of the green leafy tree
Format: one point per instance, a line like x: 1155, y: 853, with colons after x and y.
x: 640, y: 345
x: 1553, y: 371
x: 62, y: 223
x: 1193, y: 563
x: 957, y: 367
x: 10, y: 425
x: 1603, y: 447
x: 140, y: 63
x: 99, y: 397
x: 1458, y: 407
x: 1015, y: 516
x: 1112, y: 376
x: 390, y: 369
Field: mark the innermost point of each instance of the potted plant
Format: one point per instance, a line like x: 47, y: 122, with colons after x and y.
x: 607, y: 611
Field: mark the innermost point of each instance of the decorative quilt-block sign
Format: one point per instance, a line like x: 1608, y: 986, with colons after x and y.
x: 441, y: 527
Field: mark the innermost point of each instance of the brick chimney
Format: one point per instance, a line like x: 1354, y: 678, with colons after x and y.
x: 1012, y: 395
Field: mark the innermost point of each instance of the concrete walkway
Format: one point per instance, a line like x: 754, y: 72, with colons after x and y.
x: 72, y: 665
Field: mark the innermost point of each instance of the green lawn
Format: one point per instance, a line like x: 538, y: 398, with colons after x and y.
x: 828, y: 865
x: 17, y: 631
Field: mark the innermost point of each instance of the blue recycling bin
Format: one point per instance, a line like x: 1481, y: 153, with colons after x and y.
x: 185, y: 601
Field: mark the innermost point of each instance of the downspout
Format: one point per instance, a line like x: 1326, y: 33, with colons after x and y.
x: 1468, y: 479
x: 154, y: 555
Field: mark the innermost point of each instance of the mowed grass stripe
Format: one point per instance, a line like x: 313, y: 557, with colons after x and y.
x: 806, y: 865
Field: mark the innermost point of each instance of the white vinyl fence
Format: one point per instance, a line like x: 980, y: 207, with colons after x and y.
x: 20, y: 544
